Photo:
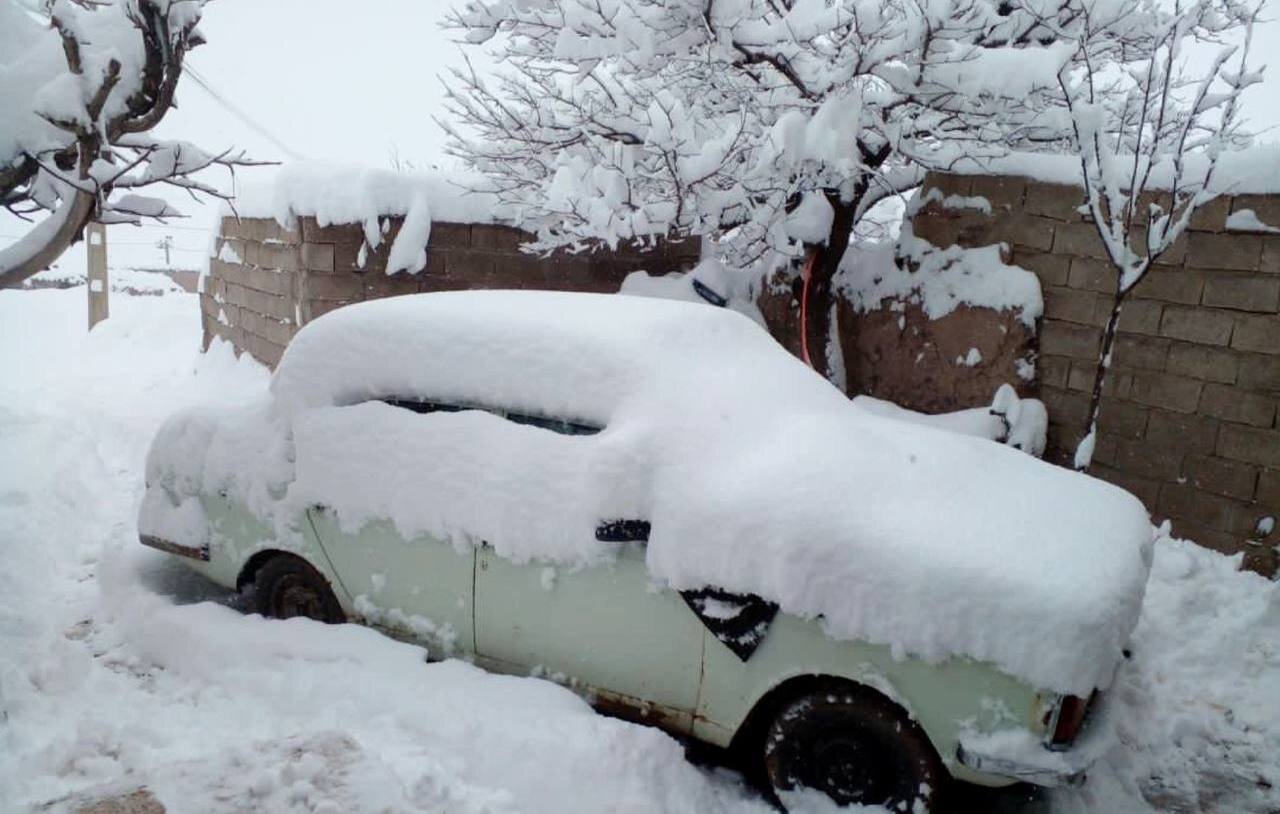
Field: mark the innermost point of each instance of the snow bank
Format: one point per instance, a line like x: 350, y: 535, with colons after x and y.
x: 979, y: 422
x: 939, y: 280
x: 338, y: 194
x: 1195, y: 710
x: 1021, y: 423
x: 123, y: 280
x: 1255, y: 170
x: 111, y: 679
x: 756, y: 474
x: 94, y: 696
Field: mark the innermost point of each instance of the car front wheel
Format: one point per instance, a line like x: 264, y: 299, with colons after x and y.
x: 288, y: 586
x: 853, y: 747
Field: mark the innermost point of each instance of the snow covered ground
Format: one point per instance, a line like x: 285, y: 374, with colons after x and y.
x: 114, y: 675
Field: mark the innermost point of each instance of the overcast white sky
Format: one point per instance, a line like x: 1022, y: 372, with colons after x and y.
x: 357, y: 80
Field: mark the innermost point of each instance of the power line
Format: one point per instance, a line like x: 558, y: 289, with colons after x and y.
x: 117, y: 243
x: 151, y: 244
x: 235, y: 110
x: 158, y: 225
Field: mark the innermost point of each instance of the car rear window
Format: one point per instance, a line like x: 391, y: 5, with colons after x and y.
x: 562, y: 426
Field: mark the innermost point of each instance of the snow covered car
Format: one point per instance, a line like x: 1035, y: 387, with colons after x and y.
x: 652, y: 502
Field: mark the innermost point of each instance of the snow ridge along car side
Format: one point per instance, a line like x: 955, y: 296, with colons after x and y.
x: 652, y: 502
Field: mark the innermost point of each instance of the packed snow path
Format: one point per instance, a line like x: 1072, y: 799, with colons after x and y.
x: 108, y: 683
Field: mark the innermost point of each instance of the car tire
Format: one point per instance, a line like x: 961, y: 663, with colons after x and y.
x: 856, y: 747
x: 287, y: 586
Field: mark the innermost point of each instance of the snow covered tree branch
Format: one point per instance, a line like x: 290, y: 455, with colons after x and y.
x: 1149, y: 132
x: 770, y: 125
x: 81, y: 99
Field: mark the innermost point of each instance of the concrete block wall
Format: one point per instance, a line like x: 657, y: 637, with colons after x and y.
x: 265, y: 281
x: 1189, y: 417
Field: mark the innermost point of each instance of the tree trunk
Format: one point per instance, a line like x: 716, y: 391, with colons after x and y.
x: 820, y: 299
x: 1083, y: 456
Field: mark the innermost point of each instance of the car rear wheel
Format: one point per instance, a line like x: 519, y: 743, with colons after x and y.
x: 288, y: 586
x: 853, y: 747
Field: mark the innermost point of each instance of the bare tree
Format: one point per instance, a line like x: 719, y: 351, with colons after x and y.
x: 771, y: 125
x: 1149, y: 134
x: 84, y: 145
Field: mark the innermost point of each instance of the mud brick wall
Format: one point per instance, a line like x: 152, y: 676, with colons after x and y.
x: 918, y: 362
x: 266, y: 281
x: 1189, y: 417
x: 898, y: 353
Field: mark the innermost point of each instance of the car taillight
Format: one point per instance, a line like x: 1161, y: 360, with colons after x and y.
x: 1068, y: 720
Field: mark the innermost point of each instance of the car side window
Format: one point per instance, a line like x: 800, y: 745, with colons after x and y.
x: 423, y: 406
x: 557, y: 425
x: 739, y: 621
x: 562, y: 426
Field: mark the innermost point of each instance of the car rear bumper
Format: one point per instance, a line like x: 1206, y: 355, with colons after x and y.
x: 200, y: 553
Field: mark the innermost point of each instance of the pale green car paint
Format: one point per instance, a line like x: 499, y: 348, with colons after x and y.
x: 602, y: 627
x: 236, y: 535
x: 609, y: 633
x: 421, y: 577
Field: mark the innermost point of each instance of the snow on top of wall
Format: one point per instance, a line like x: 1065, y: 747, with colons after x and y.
x: 756, y: 474
x: 1246, y: 220
x: 940, y: 280
x: 1019, y: 422
x: 922, y: 199
x: 335, y: 193
x: 1255, y: 170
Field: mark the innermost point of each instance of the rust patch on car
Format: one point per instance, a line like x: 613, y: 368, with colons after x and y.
x: 636, y: 710
x: 201, y: 553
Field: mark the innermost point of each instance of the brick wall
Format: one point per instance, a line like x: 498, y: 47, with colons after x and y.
x: 1189, y: 422
x: 266, y: 281
x: 1189, y: 418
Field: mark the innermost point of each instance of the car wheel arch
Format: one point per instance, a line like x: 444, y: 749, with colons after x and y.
x: 254, y: 563
x: 249, y: 570
x: 748, y: 740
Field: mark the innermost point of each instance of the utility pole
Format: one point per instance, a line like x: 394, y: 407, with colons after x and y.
x: 165, y: 244
x: 96, y: 249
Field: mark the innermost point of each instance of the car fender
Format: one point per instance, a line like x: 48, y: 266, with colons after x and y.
x: 242, y: 541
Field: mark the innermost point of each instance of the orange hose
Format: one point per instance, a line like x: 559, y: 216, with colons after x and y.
x: 806, y: 274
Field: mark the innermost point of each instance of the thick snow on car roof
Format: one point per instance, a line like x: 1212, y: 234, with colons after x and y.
x: 756, y: 475
x: 583, y: 355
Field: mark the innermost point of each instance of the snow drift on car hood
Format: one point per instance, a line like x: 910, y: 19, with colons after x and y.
x: 757, y: 475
